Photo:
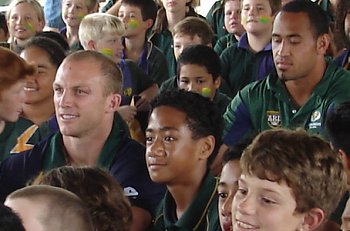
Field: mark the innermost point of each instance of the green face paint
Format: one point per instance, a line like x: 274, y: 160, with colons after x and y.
x: 264, y: 19
x: 206, y: 92
x: 30, y: 27
x: 107, y: 52
x: 133, y: 24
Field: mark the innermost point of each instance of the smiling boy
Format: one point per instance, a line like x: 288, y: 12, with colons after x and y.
x: 286, y: 188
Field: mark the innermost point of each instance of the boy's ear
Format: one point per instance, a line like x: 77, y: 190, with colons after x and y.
x: 312, y: 220
x: 217, y: 82
x: 113, y: 102
x: 149, y: 23
x: 323, y: 43
x: 345, y: 159
x: 206, y: 147
x: 91, y: 45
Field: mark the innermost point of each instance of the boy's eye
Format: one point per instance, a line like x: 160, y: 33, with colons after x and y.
x: 267, y: 201
x: 169, y: 138
x: 222, y: 195
x: 149, y: 139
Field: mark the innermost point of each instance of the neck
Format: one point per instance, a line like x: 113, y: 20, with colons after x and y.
x: 72, y: 35
x: 174, y: 18
x: 301, y: 89
x: 2, y: 126
x: 185, y: 192
x: 86, y: 149
x: 257, y: 42
x: 134, y: 47
x: 39, y: 113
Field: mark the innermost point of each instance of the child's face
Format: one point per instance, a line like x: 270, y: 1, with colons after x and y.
x: 24, y: 21
x: 171, y: 152
x: 227, y: 188
x: 38, y: 87
x: 182, y: 41
x: 345, y: 224
x: 132, y: 18
x: 265, y: 206
x: 175, y: 6
x: 11, y: 102
x: 196, y: 78
x: 233, y: 17
x: 73, y: 11
x: 111, y: 45
x: 257, y: 16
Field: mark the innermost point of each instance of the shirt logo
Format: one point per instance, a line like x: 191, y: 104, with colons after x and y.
x: 315, y: 120
x: 316, y: 115
x: 273, y: 119
x: 130, y: 192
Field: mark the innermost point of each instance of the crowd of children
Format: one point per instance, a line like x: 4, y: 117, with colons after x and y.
x: 150, y: 116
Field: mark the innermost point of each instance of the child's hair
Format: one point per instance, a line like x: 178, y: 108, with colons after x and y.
x: 235, y: 152
x: 3, y: 24
x: 12, y: 68
x: 9, y: 220
x: 275, y: 6
x: 161, y: 22
x: 307, y: 164
x: 148, y: 8
x: 193, y: 26
x: 90, y: 4
x: 57, y: 37
x: 108, y: 207
x: 338, y: 127
x: 51, y: 47
x: 200, y: 55
x: 203, y: 119
x: 36, y: 5
x: 343, y: 8
x: 95, y: 26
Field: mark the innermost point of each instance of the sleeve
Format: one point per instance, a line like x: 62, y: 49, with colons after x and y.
x: 158, y: 67
x: 238, y: 121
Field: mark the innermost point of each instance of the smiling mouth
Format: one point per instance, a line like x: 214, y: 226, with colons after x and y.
x: 243, y: 225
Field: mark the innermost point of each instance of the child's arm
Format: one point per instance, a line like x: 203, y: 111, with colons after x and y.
x: 146, y: 97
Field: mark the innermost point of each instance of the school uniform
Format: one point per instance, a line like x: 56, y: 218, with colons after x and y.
x: 123, y: 157
x: 266, y: 104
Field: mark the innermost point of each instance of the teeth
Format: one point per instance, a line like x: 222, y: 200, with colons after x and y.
x: 29, y: 89
x: 245, y: 225
x: 68, y: 117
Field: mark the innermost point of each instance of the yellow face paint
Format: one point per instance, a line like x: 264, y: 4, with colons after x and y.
x: 206, y: 92
x: 133, y: 24
x: 244, y: 20
x: 107, y: 52
x: 81, y: 16
x: 30, y: 27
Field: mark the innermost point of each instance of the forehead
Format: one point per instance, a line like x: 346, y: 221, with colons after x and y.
x: 73, y: 71
x: 24, y: 7
x: 193, y: 69
x: 255, y: 2
x: 80, y: 2
x: 129, y: 7
x: 186, y: 38
x: 291, y: 23
x: 166, y: 116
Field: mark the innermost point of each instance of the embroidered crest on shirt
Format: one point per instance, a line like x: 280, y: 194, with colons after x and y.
x: 315, y: 120
x: 273, y: 119
x: 130, y: 192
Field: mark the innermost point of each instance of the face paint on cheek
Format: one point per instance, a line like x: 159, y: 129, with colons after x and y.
x: 107, y: 52
x: 81, y: 16
x: 133, y: 24
x: 264, y: 19
x: 30, y: 27
x: 243, y: 20
x: 206, y: 92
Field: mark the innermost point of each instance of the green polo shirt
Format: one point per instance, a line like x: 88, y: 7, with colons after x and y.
x: 201, y: 215
x: 241, y: 66
x: 55, y: 153
x: 224, y: 42
x: 164, y: 41
x: 20, y: 136
x: 215, y: 17
x: 266, y: 104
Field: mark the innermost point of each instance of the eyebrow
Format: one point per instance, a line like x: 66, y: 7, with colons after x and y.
x: 263, y: 189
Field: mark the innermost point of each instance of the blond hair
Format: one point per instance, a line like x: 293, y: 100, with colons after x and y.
x: 36, y: 5
x: 95, y: 26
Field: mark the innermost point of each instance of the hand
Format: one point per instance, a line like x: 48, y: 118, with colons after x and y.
x: 127, y: 112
